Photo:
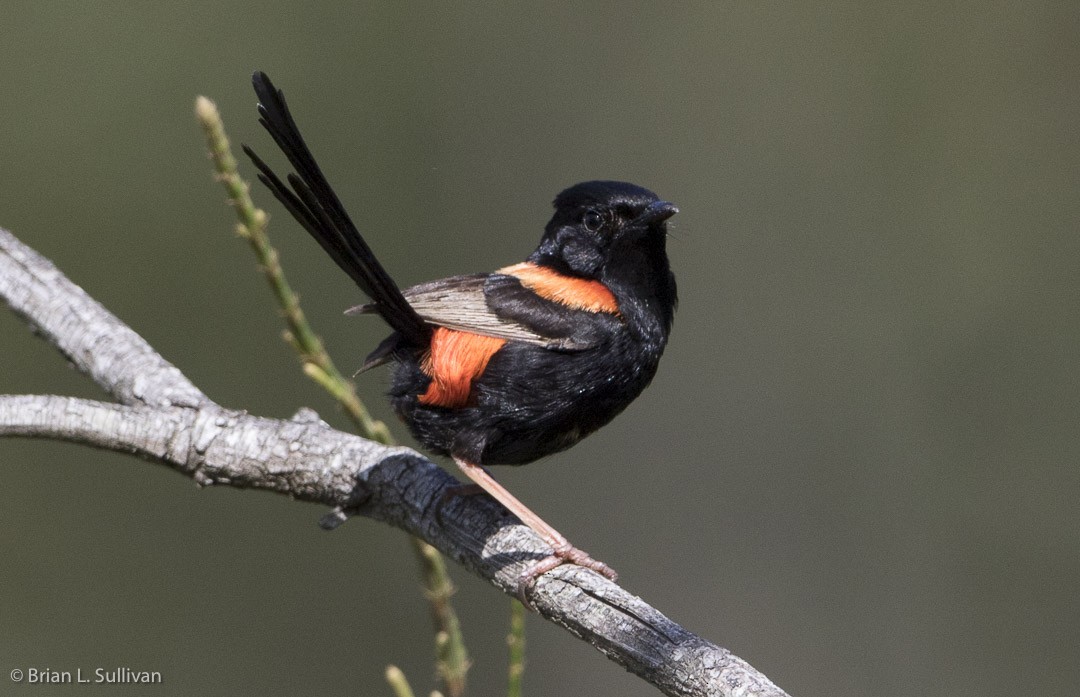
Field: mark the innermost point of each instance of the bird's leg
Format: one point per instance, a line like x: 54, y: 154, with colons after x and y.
x: 563, y: 551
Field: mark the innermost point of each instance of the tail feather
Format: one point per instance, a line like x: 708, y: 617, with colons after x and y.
x: 317, y: 208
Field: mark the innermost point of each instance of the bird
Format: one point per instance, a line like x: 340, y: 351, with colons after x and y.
x: 507, y: 367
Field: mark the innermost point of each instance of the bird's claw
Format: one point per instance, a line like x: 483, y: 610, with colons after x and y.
x: 559, y: 556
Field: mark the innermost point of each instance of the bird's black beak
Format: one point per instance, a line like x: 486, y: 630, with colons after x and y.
x: 657, y: 212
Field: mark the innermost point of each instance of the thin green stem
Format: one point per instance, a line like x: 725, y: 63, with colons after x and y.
x: 252, y: 227
x: 398, y: 682
x: 452, y: 660
x: 516, y: 641
x: 452, y: 657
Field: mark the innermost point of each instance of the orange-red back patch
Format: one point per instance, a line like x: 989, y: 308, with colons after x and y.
x: 454, y: 361
x: 578, y: 293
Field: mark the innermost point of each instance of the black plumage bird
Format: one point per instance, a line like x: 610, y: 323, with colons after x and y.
x: 504, y: 368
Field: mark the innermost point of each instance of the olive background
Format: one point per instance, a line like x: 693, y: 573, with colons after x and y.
x: 856, y: 467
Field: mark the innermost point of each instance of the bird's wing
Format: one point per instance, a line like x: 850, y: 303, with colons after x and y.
x: 500, y: 306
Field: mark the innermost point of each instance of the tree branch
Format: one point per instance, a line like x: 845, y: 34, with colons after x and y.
x: 163, y: 418
x: 92, y: 338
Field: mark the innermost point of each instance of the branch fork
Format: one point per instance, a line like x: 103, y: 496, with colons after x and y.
x: 160, y: 416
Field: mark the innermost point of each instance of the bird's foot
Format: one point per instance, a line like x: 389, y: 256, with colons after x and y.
x: 564, y: 554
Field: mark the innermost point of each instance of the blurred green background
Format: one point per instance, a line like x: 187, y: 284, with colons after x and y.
x: 857, y: 466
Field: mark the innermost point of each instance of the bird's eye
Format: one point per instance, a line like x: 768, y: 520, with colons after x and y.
x: 592, y: 220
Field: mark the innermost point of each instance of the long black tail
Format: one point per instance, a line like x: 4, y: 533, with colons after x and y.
x: 317, y: 208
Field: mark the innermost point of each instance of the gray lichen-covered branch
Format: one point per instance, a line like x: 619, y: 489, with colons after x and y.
x: 161, y: 417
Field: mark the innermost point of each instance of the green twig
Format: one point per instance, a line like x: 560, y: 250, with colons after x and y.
x: 398, y: 682
x: 516, y: 641
x: 252, y: 227
x: 452, y: 657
